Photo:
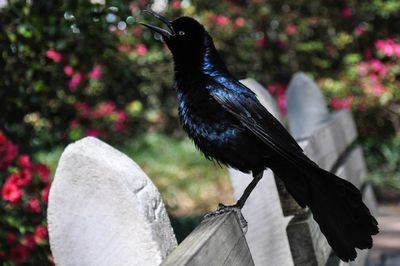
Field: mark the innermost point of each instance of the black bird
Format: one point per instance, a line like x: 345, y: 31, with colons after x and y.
x: 228, y: 124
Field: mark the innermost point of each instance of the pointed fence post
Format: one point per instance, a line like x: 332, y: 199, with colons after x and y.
x: 266, y: 235
x: 306, y: 106
x: 104, y: 210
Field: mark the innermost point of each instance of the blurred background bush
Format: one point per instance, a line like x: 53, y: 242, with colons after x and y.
x: 78, y: 68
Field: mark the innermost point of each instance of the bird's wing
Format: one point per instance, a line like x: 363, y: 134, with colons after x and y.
x: 242, y: 103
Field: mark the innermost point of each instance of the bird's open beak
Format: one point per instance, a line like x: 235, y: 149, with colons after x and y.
x: 163, y: 32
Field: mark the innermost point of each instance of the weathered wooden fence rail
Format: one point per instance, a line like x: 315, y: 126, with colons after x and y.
x: 103, y: 210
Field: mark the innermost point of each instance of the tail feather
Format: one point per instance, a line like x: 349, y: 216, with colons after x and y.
x: 337, y: 207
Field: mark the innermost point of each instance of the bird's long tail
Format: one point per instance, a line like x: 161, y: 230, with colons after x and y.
x: 337, y: 207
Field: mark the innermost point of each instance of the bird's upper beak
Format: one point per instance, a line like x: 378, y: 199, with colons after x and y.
x: 163, y: 32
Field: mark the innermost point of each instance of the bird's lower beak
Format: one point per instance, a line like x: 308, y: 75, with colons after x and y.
x: 163, y: 32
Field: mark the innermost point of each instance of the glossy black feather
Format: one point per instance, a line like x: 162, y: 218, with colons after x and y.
x: 228, y: 124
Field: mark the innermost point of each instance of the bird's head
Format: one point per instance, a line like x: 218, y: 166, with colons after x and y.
x: 185, y: 36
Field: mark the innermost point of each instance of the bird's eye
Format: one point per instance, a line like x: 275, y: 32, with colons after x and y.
x: 181, y: 33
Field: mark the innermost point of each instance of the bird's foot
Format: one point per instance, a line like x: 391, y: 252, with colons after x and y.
x: 224, y: 209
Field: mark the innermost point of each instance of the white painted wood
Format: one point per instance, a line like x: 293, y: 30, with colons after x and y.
x: 266, y: 235
x: 104, y: 210
x: 216, y: 241
x: 308, y: 245
x: 330, y: 139
x: 353, y: 167
x: 305, y: 105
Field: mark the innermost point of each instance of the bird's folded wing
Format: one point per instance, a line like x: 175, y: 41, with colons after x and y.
x: 242, y: 103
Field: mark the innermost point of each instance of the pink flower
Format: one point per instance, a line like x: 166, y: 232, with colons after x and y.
x: 347, y: 12
x: 40, y: 234
x: 378, y: 89
x: 291, y: 29
x: 378, y: 67
x: 385, y: 46
x: 33, y: 205
x: 240, y: 22
x: 92, y: 132
x: 68, y: 70
x: 360, y: 30
x: 221, y: 20
x: 176, y: 4
x: 11, y: 192
x: 104, y: 109
x: 119, y: 125
x: 124, y: 47
x: 141, y: 49
x: 282, y: 103
x: 74, y: 81
x: 19, y: 254
x: 337, y: 103
x: 45, y: 194
x: 83, y: 109
x: 96, y: 72
x: 137, y: 31
x: 260, y: 43
x: 54, y: 55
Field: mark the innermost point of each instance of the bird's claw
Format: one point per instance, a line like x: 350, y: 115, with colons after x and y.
x: 224, y: 209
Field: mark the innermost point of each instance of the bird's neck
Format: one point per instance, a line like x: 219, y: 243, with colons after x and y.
x: 205, y: 61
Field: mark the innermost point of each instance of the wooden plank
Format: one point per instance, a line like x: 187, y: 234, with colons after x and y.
x: 266, y: 234
x: 216, y: 241
x: 331, y: 139
x: 308, y: 245
x: 352, y: 167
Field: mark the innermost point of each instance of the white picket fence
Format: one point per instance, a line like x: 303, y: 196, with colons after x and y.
x: 104, y: 210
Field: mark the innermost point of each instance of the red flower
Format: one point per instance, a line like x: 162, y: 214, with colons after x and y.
x: 29, y: 241
x: 11, y: 238
x: 96, y: 72
x: 54, y: 55
x: 33, y: 205
x: 176, y: 4
x: 40, y: 234
x: 68, y: 70
x: 291, y: 29
x: 24, y: 161
x: 260, y: 43
x: 92, y: 132
x: 45, y: 194
x: 3, y: 138
x: 25, y: 177
x: 19, y: 254
x: 137, y: 31
x: 8, y: 152
x: 347, y: 12
x: 43, y: 172
x: 11, y: 192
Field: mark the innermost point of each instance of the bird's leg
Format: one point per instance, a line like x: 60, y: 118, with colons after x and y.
x: 239, y: 204
x: 256, y: 177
